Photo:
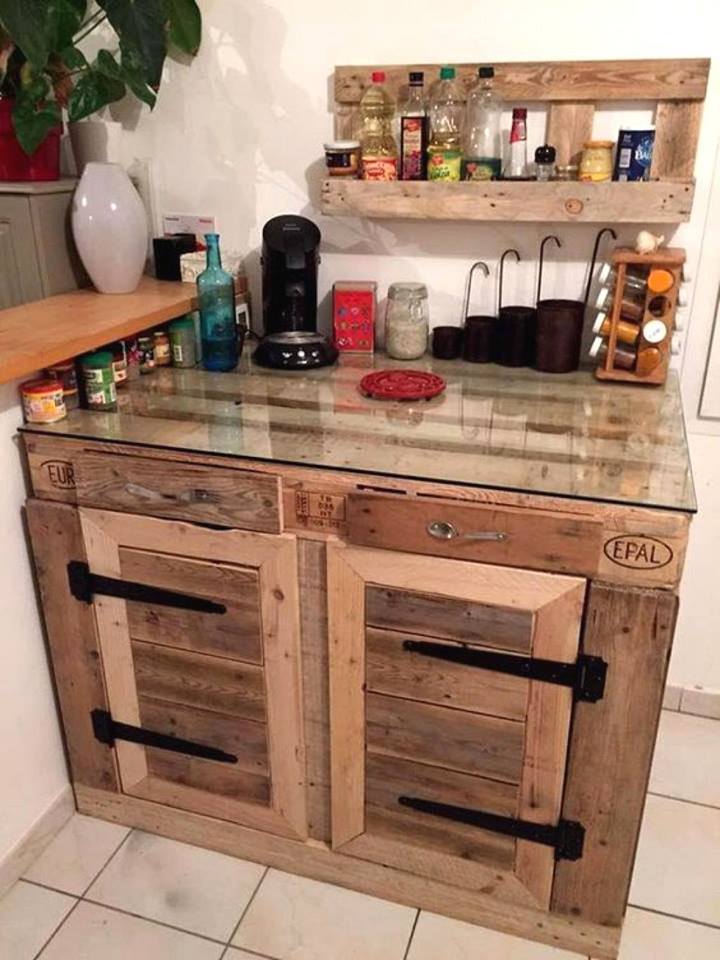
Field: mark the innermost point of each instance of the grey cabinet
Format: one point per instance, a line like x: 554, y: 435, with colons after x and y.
x: 37, y: 255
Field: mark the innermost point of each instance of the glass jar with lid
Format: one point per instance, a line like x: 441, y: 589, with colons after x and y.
x: 597, y: 163
x: 407, y: 321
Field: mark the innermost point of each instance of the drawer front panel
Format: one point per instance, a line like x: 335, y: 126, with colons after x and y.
x: 181, y: 491
x: 510, y: 536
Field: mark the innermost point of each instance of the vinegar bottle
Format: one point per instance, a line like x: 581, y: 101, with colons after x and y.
x: 218, y: 326
x: 413, y: 131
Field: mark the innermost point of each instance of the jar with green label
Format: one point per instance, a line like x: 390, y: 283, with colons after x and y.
x: 182, y: 342
x: 100, y: 392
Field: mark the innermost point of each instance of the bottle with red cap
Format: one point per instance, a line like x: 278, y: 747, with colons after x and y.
x: 377, y: 144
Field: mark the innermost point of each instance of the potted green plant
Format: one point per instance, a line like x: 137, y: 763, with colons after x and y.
x: 44, y: 71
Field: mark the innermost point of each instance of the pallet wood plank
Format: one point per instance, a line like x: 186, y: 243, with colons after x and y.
x: 569, y: 125
x: 398, y: 672
x: 655, y: 201
x: 594, y: 80
x: 56, y: 538
x: 677, y: 129
x: 611, y: 748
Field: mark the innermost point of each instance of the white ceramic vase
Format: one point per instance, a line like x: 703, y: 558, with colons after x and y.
x: 95, y: 140
x: 110, y: 228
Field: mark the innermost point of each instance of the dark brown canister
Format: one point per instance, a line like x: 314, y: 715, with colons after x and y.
x: 479, y: 333
x: 559, y: 335
x: 514, y: 341
x: 447, y: 342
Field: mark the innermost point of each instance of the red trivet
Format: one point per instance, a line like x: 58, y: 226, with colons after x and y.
x: 402, y: 385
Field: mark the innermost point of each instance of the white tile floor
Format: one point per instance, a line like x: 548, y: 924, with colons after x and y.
x: 102, y: 892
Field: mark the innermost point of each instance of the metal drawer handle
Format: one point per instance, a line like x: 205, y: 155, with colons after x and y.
x: 442, y: 530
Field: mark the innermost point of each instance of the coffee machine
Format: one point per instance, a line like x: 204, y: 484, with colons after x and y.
x: 290, y: 258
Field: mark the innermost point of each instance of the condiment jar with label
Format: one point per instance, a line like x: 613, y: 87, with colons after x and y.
x: 147, y: 354
x: 119, y: 364
x: 43, y: 401
x: 597, y: 163
x: 161, y: 344
x: 66, y: 374
x: 100, y: 392
x: 407, y: 321
x: 182, y: 342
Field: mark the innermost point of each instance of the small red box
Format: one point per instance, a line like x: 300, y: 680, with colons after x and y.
x: 354, y: 316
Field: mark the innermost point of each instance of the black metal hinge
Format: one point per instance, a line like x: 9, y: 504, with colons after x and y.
x: 586, y: 676
x: 84, y: 585
x: 107, y: 731
x: 567, y: 837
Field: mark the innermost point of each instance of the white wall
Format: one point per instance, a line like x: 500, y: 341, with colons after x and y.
x: 239, y: 134
x: 32, y: 764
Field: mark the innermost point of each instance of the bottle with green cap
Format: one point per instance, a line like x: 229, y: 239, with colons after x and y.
x: 446, y: 118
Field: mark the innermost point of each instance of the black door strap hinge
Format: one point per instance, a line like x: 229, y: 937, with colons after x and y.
x: 107, y: 731
x: 567, y: 837
x: 84, y: 585
x: 586, y: 676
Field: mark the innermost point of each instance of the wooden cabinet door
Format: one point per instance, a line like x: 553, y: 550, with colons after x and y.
x: 447, y: 761
x: 199, y: 640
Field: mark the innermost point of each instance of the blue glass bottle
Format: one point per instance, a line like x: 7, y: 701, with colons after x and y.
x: 218, y: 327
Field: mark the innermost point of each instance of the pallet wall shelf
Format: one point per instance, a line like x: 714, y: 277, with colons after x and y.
x: 571, y: 91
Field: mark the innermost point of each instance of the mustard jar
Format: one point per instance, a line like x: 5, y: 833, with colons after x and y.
x: 597, y: 162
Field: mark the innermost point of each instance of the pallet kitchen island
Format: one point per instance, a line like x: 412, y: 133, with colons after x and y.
x: 418, y: 650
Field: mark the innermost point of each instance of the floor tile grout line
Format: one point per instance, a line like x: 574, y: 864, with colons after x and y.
x: 62, y: 923
x: 247, y: 906
x: 674, y: 916
x: 412, y: 934
x: 694, y: 803
x: 159, y: 923
x: 107, y: 862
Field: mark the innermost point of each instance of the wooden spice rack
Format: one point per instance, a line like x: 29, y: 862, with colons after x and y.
x: 653, y: 356
x: 571, y: 90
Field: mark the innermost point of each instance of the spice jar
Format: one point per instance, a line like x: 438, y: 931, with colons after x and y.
x: 660, y: 281
x: 567, y: 171
x: 132, y: 356
x: 632, y: 306
x: 407, y: 321
x: 66, y: 374
x: 545, y: 162
x: 119, y: 363
x: 625, y: 332
x: 43, y: 401
x: 182, y: 342
x: 161, y: 344
x: 624, y: 357
x: 596, y: 163
x: 100, y: 392
x: 342, y: 158
x: 147, y: 354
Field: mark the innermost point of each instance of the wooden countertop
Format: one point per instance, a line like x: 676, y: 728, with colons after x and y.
x: 35, y: 335
x: 567, y: 435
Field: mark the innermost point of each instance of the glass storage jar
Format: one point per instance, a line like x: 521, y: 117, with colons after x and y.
x: 407, y: 321
x: 597, y: 163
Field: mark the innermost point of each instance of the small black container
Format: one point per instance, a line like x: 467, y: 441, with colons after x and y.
x: 514, y: 341
x: 447, y: 342
x: 168, y: 251
x: 479, y: 337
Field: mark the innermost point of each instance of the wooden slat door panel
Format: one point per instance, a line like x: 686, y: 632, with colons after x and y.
x: 404, y: 724
x: 228, y: 680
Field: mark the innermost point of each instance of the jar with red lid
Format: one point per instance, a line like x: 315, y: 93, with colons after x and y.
x: 43, y: 400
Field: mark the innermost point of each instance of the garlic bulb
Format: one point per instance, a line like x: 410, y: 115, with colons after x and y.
x: 647, y: 242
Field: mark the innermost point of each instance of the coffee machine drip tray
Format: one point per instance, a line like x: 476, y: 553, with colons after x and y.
x: 295, y: 350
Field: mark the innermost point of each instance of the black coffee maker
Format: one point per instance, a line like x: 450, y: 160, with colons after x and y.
x: 290, y: 258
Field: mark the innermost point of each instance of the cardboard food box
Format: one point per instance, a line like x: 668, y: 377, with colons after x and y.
x: 354, y: 308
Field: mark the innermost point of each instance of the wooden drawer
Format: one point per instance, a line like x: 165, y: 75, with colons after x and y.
x: 512, y: 536
x: 179, y: 491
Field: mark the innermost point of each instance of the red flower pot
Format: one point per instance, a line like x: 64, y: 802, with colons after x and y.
x: 15, y: 164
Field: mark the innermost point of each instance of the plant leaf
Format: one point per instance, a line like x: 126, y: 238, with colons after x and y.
x: 93, y: 91
x: 185, y: 25
x: 27, y: 24
x: 73, y: 58
x: 140, y: 25
x: 32, y: 124
x: 63, y: 17
x: 129, y: 71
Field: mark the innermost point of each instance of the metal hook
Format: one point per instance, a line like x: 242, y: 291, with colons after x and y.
x: 550, y: 236
x: 598, y: 238
x: 468, y: 286
x: 518, y: 258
